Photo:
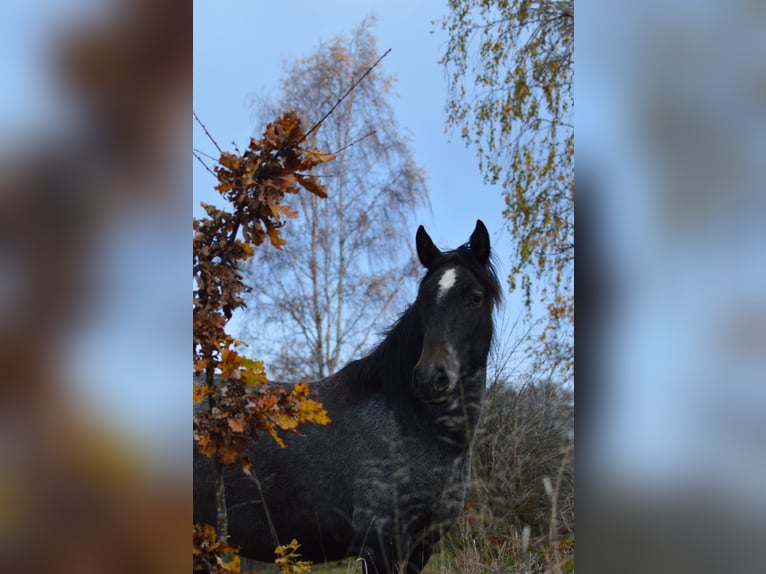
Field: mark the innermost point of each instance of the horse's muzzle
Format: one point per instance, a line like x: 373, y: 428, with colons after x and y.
x: 433, y: 383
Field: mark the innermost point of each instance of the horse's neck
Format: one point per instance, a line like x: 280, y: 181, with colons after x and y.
x: 398, y: 353
x: 457, y: 420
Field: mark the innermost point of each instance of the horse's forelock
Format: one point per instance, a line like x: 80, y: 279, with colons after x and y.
x: 486, y: 274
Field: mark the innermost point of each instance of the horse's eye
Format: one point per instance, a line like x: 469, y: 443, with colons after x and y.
x: 476, y: 300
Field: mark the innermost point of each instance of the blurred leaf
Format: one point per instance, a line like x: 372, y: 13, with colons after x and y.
x: 238, y: 423
x: 200, y: 392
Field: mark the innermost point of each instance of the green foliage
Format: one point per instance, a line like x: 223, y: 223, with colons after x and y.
x: 510, y: 69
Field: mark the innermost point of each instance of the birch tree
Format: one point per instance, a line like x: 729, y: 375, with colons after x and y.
x: 510, y: 71
x: 320, y: 301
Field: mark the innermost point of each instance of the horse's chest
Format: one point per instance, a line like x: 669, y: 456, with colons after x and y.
x: 440, y: 478
x: 416, y: 489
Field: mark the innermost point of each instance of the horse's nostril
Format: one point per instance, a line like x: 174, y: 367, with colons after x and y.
x: 430, y: 380
x: 441, y: 383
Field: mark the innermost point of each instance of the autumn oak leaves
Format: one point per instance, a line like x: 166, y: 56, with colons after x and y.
x: 255, y: 184
x: 234, y: 410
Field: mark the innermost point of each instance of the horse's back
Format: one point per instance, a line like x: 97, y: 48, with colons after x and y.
x: 300, y: 491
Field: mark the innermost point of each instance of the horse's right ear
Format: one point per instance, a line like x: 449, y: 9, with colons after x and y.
x: 479, y: 243
x: 428, y: 253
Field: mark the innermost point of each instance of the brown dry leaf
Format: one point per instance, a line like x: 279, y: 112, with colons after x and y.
x: 312, y: 185
x: 246, y: 465
x: 287, y: 181
x: 320, y: 157
x: 287, y: 211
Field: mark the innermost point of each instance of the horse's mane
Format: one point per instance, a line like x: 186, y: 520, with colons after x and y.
x: 389, y: 366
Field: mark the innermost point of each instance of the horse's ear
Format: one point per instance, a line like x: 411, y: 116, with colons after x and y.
x: 428, y: 253
x: 479, y: 243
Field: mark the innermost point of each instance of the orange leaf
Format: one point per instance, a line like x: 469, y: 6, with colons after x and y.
x: 287, y: 211
x: 227, y: 453
x: 206, y: 446
x: 238, y: 423
x: 230, y: 360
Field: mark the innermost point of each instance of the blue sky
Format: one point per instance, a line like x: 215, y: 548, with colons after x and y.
x: 240, y: 47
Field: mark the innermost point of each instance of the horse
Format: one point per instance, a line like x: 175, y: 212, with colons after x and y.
x: 389, y: 475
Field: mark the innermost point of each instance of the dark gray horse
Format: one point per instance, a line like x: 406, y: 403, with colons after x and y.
x: 388, y: 477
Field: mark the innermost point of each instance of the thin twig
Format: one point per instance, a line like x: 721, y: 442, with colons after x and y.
x: 207, y: 155
x: 207, y: 133
x: 343, y: 97
x: 203, y: 163
x: 235, y: 230
x: 356, y: 141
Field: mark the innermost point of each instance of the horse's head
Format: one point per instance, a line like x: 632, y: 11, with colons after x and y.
x: 456, y: 299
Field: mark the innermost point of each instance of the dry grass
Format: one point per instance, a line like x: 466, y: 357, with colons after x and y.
x: 520, y: 514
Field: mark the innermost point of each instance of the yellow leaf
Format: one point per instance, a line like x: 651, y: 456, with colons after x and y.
x: 247, y: 251
x: 276, y: 438
x: 199, y: 393
x: 301, y: 390
x: 276, y: 240
x: 313, y: 411
x: 251, y: 364
x: 253, y: 373
x: 285, y: 422
x: 252, y: 379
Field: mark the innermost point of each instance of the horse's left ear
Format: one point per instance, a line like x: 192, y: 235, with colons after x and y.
x: 479, y: 243
x: 428, y: 253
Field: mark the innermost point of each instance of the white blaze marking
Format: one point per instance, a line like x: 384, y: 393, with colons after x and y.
x: 446, y: 282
